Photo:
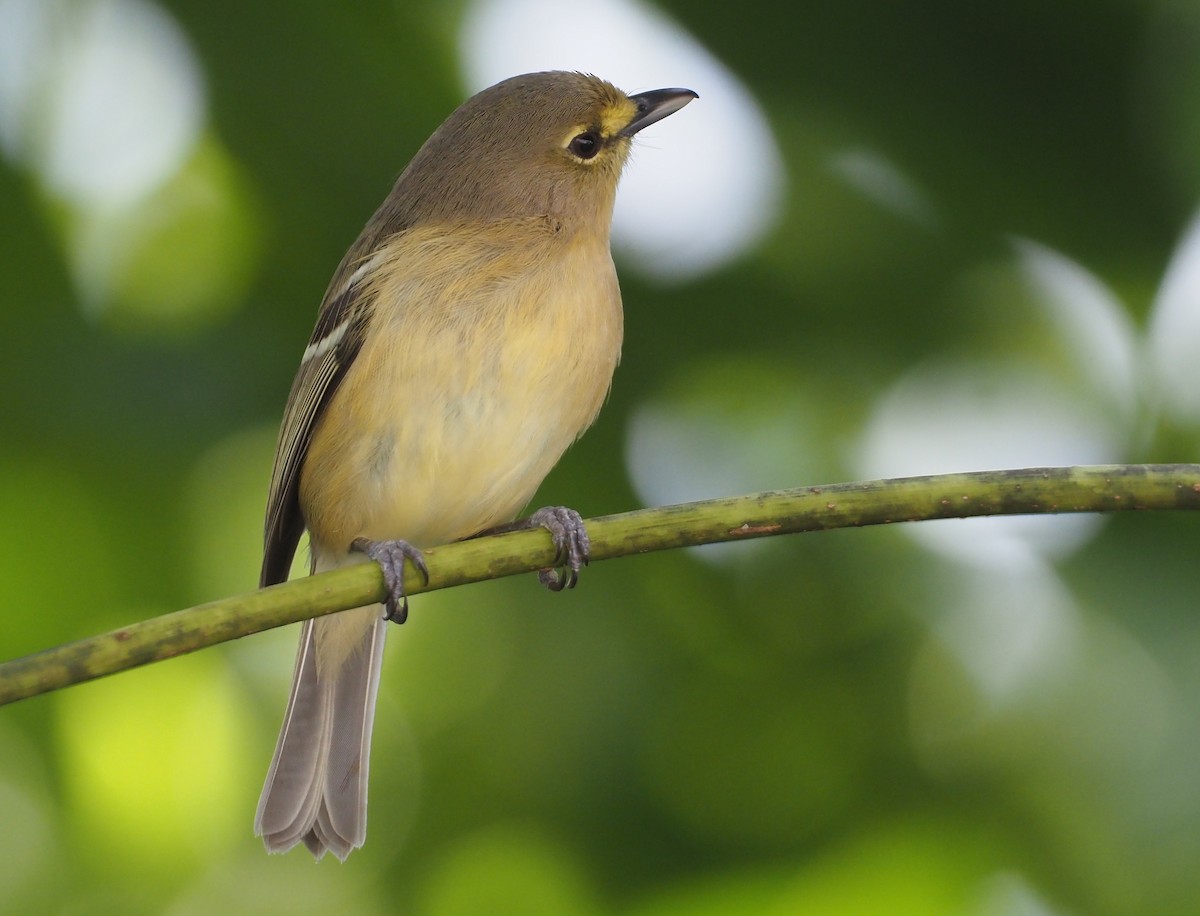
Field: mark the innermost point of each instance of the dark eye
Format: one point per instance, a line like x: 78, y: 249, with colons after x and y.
x: 585, y: 145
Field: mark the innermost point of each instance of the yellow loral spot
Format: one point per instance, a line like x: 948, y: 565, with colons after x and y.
x: 616, y: 117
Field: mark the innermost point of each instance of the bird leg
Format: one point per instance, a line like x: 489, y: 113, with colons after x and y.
x: 390, y: 555
x: 571, y: 544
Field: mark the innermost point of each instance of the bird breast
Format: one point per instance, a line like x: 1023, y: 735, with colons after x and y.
x: 494, y: 348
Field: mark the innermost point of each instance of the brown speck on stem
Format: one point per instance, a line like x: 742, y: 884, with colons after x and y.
x: 747, y: 529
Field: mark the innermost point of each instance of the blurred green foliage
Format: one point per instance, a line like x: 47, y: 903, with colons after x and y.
x: 801, y: 726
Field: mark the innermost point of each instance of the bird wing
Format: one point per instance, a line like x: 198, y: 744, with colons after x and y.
x: 331, y: 350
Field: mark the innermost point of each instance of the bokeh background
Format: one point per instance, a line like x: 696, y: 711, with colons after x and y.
x: 888, y: 239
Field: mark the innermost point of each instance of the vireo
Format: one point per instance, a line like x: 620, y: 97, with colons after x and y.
x: 467, y: 338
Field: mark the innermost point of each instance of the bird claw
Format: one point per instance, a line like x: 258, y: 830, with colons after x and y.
x: 571, y: 545
x: 390, y: 555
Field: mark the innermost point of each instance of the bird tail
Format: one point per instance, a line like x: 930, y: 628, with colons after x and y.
x: 316, y: 788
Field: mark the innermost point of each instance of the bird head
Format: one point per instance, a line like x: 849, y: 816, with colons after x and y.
x: 540, y: 144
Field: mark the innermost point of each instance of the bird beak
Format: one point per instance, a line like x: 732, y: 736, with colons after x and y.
x: 654, y: 106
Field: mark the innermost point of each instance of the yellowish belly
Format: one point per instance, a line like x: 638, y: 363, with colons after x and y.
x: 466, y: 393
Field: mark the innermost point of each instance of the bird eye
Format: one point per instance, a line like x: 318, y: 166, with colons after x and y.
x: 585, y: 145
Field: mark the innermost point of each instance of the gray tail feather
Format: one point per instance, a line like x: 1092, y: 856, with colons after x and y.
x: 316, y: 788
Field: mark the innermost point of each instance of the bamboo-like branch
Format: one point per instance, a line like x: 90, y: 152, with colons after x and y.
x: 1017, y: 492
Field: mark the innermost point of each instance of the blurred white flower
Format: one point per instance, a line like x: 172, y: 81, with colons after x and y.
x: 702, y: 187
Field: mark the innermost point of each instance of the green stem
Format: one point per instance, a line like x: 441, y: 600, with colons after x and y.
x: 1019, y: 492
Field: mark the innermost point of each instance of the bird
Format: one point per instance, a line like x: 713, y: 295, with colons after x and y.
x: 467, y: 338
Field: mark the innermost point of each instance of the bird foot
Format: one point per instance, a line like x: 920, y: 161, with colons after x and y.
x: 571, y: 545
x: 390, y: 555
